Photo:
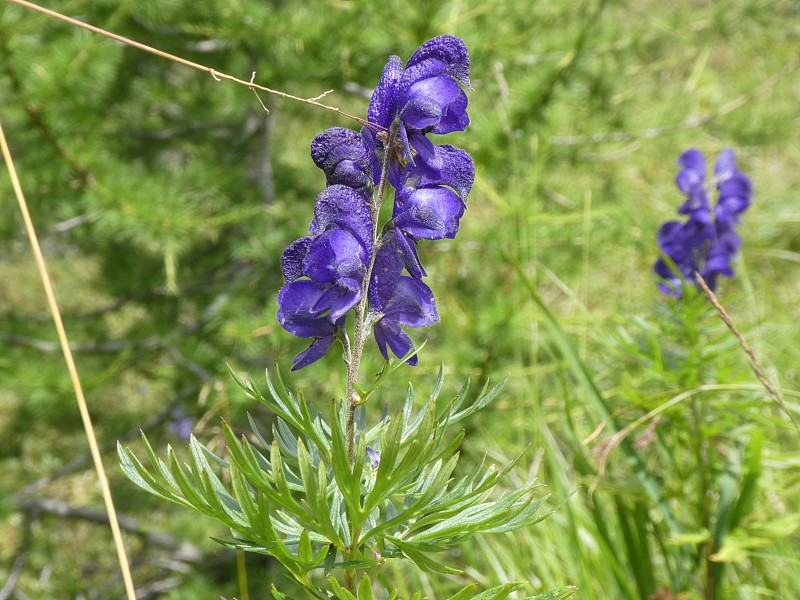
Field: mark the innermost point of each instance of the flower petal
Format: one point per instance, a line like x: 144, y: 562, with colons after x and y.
x: 333, y: 255
x: 313, y: 353
x: 411, y: 304
x: 344, y: 157
x: 409, y: 248
x: 429, y: 99
x: 457, y: 171
x: 388, y: 333
x: 448, y: 49
x: 339, y: 206
x: 382, y: 104
x: 338, y: 298
x: 693, y: 173
x: 386, y: 271
x: 295, y: 301
x: 428, y: 213
x: 725, y: 167
x: 292, y: 258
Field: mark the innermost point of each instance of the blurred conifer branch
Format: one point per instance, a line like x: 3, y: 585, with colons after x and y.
x: 217, y: 75
x: 73, y: 372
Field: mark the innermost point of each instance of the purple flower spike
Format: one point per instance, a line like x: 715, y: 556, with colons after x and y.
x: 344, y: 157
x: 685, y: 244
x: 326, y: 272
x: 181, y: 424
x: 702, y: 244
x: 335, y: 259
x: 295, y: 302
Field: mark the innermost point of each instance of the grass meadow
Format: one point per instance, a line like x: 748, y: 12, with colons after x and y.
x: 164, y: 199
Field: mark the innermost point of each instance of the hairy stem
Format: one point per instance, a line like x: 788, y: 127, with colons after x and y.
x: 361, y: 332
x: 362, y: 324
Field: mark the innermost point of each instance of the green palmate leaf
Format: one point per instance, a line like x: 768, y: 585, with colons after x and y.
x: 483, y: 400
x: 422, y: 423
x: 303, y: 502
x: 201, y: 468
x: 139, y: 475
x: 294, y: 410
x: 257, y: 432
x: 251, y: 509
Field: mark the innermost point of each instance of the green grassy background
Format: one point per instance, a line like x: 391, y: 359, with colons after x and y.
x: 164, y: 200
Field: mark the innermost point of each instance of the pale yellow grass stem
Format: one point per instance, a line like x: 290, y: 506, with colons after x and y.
x: 73, y: 371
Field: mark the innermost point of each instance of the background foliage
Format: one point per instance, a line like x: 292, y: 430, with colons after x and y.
x: 165, y: 199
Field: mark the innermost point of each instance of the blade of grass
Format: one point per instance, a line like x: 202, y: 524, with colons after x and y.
x: 584, y: 377
x: 73, y: 371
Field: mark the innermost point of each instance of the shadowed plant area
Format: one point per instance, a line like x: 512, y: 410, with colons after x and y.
x: 632, y: 416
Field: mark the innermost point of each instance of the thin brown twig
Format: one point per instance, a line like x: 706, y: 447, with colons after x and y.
x: 772, y: 392
x: 217, y: 75
x: 73, y: 371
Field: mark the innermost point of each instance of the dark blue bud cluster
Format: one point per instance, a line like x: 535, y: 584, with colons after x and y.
x: 349, y: 262
x: 707, y: 243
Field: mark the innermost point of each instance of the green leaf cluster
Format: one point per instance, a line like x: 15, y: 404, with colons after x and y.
x: 365, y: 591
x: 300, y: 499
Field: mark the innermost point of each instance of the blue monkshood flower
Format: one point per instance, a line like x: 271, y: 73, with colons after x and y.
x: 426, y: 96
x: 374, y: 458
x: 397, y: 300
x: 344, y: 156
x: 181, y: 424
x: 295, y: 301
x: 337, y: 254
x: 735, y: 189
x: 691, y: 180
x: 429, y: 203
x: 686, y: 245
x: 707, y: 242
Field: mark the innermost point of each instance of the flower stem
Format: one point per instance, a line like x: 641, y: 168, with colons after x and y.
x: 362, y: 325
x: 361, y: 332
